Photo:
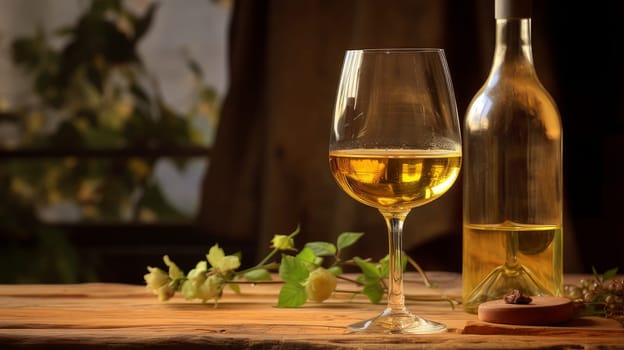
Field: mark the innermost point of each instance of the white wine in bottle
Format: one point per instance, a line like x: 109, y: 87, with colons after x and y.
x: 512, y: 176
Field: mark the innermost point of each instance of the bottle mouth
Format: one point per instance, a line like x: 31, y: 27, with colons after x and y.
x: 505, y: 9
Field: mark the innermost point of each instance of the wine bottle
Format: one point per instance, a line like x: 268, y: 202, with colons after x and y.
x: 512, y: 176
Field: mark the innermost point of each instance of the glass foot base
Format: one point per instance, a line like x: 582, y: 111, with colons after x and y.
x: 397, y: 323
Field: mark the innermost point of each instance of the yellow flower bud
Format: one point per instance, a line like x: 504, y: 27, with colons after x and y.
x: 211, y: 288
x: 320, y: 285
x: 189, y: 289
x: 283, y: 242
x: 174, y: 270
x: 165, y: 292
x: 156, y: 278
x: 221, y: 262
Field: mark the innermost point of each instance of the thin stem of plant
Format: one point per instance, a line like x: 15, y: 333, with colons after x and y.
x: 253, y: 282
x: 348, y: 280
x: 420, y: 271
x: 263, y: 263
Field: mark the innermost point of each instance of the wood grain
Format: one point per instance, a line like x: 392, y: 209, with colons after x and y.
x: 104, y: 316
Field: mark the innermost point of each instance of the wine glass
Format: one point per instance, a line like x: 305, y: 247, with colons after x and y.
x: 395, y: 145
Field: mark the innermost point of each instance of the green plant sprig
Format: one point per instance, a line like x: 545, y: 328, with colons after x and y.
x: 602, y: 295
x: 308, y: 274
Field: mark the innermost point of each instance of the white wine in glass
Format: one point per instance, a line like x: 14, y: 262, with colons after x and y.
x: 395, y: 145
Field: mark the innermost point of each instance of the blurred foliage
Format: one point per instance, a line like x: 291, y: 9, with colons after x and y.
x: 32, y: 253
x: 93, y: 92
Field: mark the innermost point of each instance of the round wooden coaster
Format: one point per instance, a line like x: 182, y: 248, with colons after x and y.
x: 542, y: 310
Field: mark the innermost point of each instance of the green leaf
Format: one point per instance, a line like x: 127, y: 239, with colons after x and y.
x: 292, y: 295
x: 99, y: 7
x: 104, y: 137
x: 609, y: 274
x: 293, y: 270
x: 368, y: 269
x: 347, y: 239
x: 335, y: 270
x: 258, y: 275
x: 142, y: 24
x: 384, y: 266
x: 306, y: 255
x: 154, y: 200
x: 194, y: 67
x: 367, y: 280
x: 235, y: 287
x: 374, y: 292
x: 322, y: 248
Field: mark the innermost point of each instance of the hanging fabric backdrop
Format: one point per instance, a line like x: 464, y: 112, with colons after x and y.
x: 269, y: 171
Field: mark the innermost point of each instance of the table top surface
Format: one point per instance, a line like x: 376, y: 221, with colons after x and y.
x: 101, y: 315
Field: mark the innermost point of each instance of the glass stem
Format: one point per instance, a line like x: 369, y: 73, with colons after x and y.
x: 511, y: 256
x: 396, y: 298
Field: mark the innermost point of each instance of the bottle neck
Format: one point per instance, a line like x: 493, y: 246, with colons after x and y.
x: 513, y: 46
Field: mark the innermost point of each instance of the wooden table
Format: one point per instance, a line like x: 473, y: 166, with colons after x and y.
x: 121, y: 316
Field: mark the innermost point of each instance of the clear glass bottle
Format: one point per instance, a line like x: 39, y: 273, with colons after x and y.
x: 512, y: 176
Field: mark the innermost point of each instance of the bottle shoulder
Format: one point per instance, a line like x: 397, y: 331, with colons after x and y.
x: 516, y: 92
x: 501, y: 100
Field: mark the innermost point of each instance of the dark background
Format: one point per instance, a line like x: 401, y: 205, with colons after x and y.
x: 285, y: 61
